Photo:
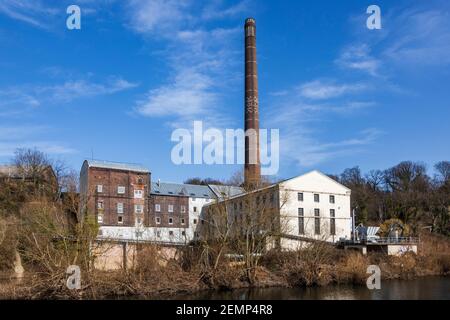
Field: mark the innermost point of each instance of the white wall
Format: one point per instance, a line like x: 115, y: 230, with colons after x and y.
x: 198, y: 203
x: 310, y: 184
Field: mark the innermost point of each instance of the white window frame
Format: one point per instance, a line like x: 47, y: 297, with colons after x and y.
x: 121, y: 189
x: 170, y: 208
x: 318, y: 197
x: 100, y: 219
x: 120, y: 207
x: 138, y: 193
x: 138, y: 208
x: 332, y: 196
x: 118, y: 221
x: 157, y: 220
x: 183, y: 209
x: 100, y: 205
x: 99, y: 188
x: 157, y: 207
x: 183, y: 221
x: 170, y: 219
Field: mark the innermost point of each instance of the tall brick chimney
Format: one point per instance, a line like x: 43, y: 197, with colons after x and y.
x: 252, y: 170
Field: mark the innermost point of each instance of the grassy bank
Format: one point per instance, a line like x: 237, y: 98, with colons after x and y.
x: 318, y: 265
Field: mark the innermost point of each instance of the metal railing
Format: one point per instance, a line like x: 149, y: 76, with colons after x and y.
x: 394, y: 240
x: 382, y: 241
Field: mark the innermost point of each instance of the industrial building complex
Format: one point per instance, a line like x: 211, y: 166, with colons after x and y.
x: 130, y: 206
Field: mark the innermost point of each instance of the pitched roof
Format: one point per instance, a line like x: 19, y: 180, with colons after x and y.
x: 319, y: 173
x: 117, y: 166
x: 178, y: 189
x: 280, y: 182
x: 223, y: 191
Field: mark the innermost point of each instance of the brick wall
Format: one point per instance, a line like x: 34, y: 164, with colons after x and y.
x: 164, y: 215
x: 111, y: 179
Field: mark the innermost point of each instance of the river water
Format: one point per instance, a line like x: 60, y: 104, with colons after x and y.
x: 419, y: 289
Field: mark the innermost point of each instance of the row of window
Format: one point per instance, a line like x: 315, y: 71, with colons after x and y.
x: 301, y: 221
x: 316, y: 197
x: 170, y: 208
x: 158, y: 233
x: 138, y: 193
x: 139, y: 220
x: 182, y: 220
x: 138, y: 208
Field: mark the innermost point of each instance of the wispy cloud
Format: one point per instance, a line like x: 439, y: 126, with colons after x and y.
x: 188, y: 95
x: 158, y: 17
x: 13, y: 99
x: 319, y: 90
x: 27, y: 136
x: 420, y: 37
x: 216, y: 9
x: 196, y: 55
x: 302, y: 115
x: 358, y: 57
x: 301, y: 146
x: 32, y: 12
x: 75, y: 89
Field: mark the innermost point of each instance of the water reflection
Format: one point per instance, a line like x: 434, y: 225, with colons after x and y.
x: 419, y: 289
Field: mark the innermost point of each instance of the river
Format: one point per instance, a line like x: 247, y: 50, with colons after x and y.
x: 418, y: 289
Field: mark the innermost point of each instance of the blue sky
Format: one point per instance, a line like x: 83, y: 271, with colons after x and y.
x: 341, y: 94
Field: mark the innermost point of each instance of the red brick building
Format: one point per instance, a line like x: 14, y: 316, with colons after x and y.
x: 115, y: 193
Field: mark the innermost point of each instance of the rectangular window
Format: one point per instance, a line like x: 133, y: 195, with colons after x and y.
x: 119, y: 207
x: 138, y: 208
x: 158, y: 234
x: 170, y: 208
x: 119, y: 219
x: 121, y: 190
x: 158, y: 220
x: 331, y: 199
x: 195, y: 221
x: 317, y: 221
x: 138, y: 194
x: 301, y: 221
x: 100, y: 219
x: 170, y: 233
x: 170, y: 220
x: 332, y: 222
x: 316, y: 197
x: 139, y: 221
x: 182, y: 221
x: 183, y: 233
x: 99, y: 188
x: 100, y: 205
x: 300, y: 196
x: 195, y: 209
x: 157, y: 208
x: 183, y: 209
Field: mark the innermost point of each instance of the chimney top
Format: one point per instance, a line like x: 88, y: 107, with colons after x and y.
x: 250, y: 21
